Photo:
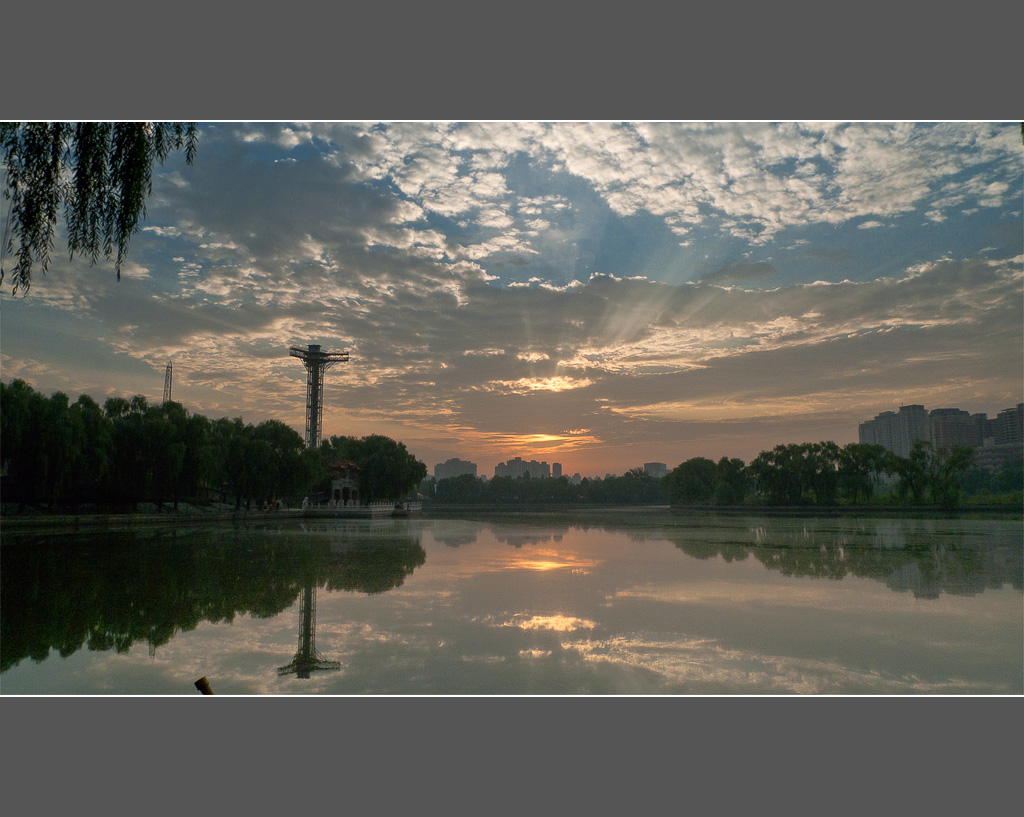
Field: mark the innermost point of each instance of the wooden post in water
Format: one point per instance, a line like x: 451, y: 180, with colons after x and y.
x: 204, y: 686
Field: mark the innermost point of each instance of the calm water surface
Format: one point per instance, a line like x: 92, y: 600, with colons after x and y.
x: 547, y: 604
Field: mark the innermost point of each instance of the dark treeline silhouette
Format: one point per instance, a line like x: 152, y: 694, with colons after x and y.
x: 112, y: 591
x: 59, y: 454
x: 811, y: 474
x: 634, y: 488
x: 387, y: 469
x: 825, y: 474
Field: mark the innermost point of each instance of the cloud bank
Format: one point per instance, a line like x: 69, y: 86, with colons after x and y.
x: 670, y: 289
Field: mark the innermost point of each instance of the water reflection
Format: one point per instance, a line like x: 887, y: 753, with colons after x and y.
x: 925, y: 557
x: 518, y: 540
x: 108, y: 592
x: 307, y: 659
x: 544, y: 604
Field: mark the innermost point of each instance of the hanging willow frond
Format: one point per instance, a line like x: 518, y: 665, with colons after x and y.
x: 100, y: 172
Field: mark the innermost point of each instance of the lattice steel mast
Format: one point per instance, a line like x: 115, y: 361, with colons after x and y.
x: 167, y: 383
x: 307, y: 659
x: 316, y: 362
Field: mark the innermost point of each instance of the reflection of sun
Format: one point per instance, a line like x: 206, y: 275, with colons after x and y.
x: 540, y: 564
x: 549, y: 560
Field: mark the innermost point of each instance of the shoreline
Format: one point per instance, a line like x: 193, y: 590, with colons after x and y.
x: 92, y: 522
x: 40, y: 522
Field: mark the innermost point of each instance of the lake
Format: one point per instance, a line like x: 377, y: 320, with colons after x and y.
x: 594, y: 603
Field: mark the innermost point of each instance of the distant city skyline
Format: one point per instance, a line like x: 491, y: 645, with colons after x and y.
x: 595, y: 294
x: 995, y: 439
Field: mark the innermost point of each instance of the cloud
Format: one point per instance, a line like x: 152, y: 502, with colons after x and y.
x: 496, y: 283
x: 742, y: 271
x: 500, y: 364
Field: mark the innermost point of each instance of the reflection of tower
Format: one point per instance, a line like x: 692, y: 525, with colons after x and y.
x: 167, y: 383
x: 316, y: 363
x: 307, y: 659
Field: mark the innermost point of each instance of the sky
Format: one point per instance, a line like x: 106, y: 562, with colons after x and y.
x: 598, y: 294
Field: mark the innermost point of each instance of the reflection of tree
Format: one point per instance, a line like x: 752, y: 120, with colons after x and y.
x: 375, y: 567
x: 924, y: 562
x: 517, y: 540
x: 111, y: 591
x: 454, y: 540
x: 369, y: 568
x: 708, y: 550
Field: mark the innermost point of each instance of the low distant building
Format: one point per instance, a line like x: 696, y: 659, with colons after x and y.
x: 518, y: 467
x: 655, y: 469
x: 454, y: 468
x: 993, y: 457
x: 344, y: 478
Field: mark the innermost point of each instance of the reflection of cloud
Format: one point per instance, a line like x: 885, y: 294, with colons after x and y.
x: 558, y: 623
x: 808, y: 595
x: 706, y: 666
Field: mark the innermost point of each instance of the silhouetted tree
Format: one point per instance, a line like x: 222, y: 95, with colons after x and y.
x: 128, y: 467
x: 731, y: 482
x: 463, y: 489
x: 912, y: 470
x: 100, y: 173
x: 693, y: 482
x: 291, y: 472
x: 945, y: 468
x: 821, y: 470
x: 388, y: 470
x: 779, y: 474
x: 859, y: 467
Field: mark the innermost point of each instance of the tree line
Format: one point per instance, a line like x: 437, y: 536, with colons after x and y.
x: 59, y: 454
x: 633, y: 488
x: 824, y: 473
x: 813, y: 474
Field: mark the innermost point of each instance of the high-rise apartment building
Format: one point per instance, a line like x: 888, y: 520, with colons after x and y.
x: 995, y: 441
x: 950, y: 427
x: 517, y: 467
x: 1005, y: 443
x: 655, y: 469
x: 556, y: 469
x: 896, y: 431
x: 986, y: 427
x: 454, y: 468
x: 1009, y: 426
